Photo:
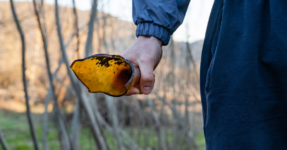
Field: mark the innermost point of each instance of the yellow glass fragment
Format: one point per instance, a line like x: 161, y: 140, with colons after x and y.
x: 109, y: 74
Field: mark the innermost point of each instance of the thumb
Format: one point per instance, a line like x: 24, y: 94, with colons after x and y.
x: 147, y: 77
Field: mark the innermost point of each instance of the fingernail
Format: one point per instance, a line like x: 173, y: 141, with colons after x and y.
x: 146, y: 90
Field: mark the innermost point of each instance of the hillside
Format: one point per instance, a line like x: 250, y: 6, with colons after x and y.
x: 111, y: 35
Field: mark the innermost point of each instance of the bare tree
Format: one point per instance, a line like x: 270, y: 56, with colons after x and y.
x: 45, y: 121
x: 3, y: 142
x: 97, y: 133
x: 32, y: 130
x: 76, y: 26
x: 89, y: 42
x: 63, y: 132
x: 76, y: 119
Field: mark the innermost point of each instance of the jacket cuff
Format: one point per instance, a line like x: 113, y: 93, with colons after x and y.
x: 150, y: 29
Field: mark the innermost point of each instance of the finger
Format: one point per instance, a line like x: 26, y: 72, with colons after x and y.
x: 136, y: 87
x: 137, y: 75
x: 147, y: 77
x: 133, y: 91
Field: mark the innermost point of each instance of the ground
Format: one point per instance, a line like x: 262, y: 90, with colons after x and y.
x: 15, y: 129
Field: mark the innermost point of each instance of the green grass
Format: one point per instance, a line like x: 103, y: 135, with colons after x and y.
x: 15, y: 129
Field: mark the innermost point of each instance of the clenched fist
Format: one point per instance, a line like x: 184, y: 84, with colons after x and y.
x: 145, y: 54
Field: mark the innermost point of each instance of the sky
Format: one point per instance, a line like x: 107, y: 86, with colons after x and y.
x: 192, y: 29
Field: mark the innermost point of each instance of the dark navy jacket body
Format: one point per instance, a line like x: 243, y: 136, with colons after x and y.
x: 243, y: 76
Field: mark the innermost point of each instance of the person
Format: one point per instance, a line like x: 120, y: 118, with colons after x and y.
x: 243, y: 74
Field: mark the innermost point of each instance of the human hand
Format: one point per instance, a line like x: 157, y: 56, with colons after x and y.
x: 145, y: 54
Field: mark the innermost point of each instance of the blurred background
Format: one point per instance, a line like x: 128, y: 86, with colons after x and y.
x: 42, y: 104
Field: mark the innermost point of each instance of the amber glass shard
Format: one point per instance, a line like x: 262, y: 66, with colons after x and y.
x: 109, y: 74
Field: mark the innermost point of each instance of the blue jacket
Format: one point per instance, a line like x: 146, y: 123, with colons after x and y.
x: 158, y: 18
x: 243, y: 72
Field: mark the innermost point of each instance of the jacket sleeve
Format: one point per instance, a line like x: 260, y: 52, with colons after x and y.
x: 158, y: 18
